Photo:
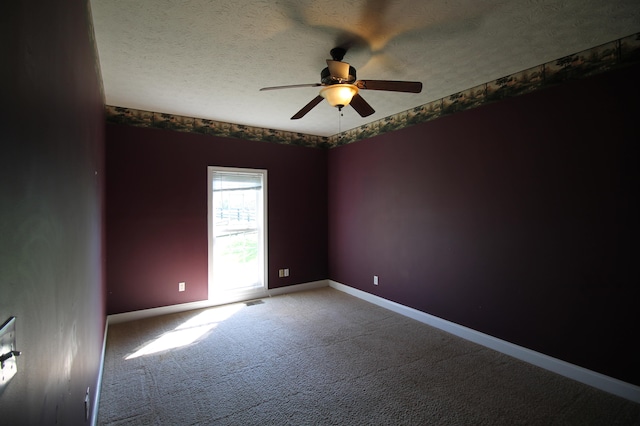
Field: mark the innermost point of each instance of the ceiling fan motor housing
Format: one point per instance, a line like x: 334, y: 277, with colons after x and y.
x: 326, y: 78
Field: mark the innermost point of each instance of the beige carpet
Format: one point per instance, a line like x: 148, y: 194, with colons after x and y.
x: 323, y: 357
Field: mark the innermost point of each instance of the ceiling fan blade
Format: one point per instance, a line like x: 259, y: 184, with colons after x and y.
x: 361, y: 106
x: 291, y: 86
x: 338, y: 69
x: 390, y: 85
x: 308, y: 107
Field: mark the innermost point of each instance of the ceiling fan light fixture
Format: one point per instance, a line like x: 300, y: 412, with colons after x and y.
x: 340, y: 87
x: 339, y: 95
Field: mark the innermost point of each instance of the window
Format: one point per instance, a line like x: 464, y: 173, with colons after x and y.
x: 237, y: 232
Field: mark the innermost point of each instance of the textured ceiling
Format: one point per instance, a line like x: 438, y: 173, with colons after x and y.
x: 209, y: 58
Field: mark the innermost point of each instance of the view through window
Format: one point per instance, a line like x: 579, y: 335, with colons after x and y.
x: 237, y: 230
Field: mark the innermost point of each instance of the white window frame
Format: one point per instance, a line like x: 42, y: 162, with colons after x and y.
x: 218, y: 297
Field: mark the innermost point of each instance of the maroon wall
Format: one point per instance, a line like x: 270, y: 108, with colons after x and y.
x: 157, y: 212
x: 51, y: 209
x: 514, y: 219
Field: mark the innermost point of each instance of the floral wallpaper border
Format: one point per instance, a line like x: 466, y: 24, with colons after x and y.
x: 596, y: 60
x: 139, y: 118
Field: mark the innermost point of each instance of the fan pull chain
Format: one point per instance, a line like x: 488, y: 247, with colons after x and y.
x: 340, y: 120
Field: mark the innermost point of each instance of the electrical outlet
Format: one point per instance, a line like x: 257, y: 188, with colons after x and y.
x: 375, y: 280
x: 280, y: 273
x: 182, y: 286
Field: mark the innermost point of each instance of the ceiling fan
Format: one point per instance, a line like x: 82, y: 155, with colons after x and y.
x: 340, y: 87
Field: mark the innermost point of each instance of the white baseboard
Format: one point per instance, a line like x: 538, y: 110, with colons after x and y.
x: 298, y: 287
x: 580, y: 374
x: 98, y: 389
x: 233, y: 298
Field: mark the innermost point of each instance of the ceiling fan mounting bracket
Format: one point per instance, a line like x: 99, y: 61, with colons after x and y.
x: 337, y: 53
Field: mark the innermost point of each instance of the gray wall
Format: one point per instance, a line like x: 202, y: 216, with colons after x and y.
x: 51, y: 209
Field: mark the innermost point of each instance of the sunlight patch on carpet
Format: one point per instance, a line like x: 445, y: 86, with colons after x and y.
x: 188, y: 332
